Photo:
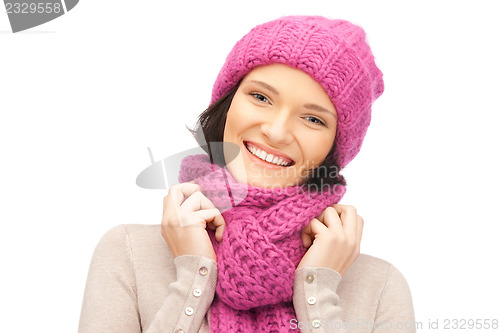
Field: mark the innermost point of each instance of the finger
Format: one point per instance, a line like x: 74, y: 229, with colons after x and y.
x: 199, y: 202
x: 182, y: 191
x: 208, y: 215
x: 321, y: 216
x: 176, y: 195
x: 212, y: 216
x: 306, y: 237
x: 331, y: 220
x: 349, y: 217
x: 307, y: 230
x: 214, y: 220
x: 317, y: 227
x: 219, y: 232
x: 307, y: 234
x: 196, y: 202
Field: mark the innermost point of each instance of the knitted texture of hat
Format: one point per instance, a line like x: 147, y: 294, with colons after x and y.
x: 333, y: 52
x: 260, y: 249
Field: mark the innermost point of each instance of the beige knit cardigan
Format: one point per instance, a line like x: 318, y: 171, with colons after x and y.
x: 135, y: 285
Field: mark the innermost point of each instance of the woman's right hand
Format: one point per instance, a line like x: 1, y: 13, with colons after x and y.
x: 186, y: 214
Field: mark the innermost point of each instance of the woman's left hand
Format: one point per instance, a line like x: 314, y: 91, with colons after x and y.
x: 333, y: 239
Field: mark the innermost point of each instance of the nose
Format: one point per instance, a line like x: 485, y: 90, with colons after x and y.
x: 278, y: 128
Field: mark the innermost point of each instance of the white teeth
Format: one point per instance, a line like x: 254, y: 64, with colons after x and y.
x: 267, y: 157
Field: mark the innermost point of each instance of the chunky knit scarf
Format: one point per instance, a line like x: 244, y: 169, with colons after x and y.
x: 261, y: 246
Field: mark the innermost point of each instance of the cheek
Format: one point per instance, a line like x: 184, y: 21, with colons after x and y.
x: 230, y: 125
x: 317, y: 147
x: 240, y: 118
x: 237, y: 110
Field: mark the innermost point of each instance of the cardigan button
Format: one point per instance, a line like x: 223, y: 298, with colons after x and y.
x: 309, y: 278
x: 197, y: 292
x: 180, y: 330
x: 203, y: 270
x: 189, y: 311
x: 316, y: 323
x: 311, y: 300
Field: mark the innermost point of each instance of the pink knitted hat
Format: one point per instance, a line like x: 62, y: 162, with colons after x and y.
x: 333, y: 52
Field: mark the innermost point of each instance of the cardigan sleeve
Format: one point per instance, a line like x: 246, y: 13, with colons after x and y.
x: 316, y: 301
x: 189, y: 298
x: 110, y: 298
x: 317, y: 307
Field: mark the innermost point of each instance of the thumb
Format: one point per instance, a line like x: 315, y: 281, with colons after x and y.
x: 315, y: 227
x: 308, y: 232
x: 306, y: 236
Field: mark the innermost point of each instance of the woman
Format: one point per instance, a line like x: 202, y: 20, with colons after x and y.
x: 280, y: 254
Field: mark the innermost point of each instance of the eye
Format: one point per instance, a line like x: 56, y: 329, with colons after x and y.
x: 316, y: 120
x: 260, y: 97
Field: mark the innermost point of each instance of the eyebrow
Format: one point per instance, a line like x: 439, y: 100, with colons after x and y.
x: 320, y: 109
x: 307, y: 106
x: 268, y: 87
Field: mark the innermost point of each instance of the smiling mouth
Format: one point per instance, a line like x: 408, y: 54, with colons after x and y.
x: 268, y: 157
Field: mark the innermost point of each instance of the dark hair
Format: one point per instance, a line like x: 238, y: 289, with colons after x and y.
x: 210, y: 128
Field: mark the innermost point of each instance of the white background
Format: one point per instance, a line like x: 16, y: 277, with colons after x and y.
x: 83, y: 96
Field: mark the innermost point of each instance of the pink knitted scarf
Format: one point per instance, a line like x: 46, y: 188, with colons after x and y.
x: 261, y: 246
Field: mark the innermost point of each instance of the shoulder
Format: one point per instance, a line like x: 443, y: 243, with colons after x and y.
x: 380, y: 287
x: 372, y: 270
x: 135, y: 234
x: 135, y: 241
x: 373, y: 278
x: 375, y: 266
x: 123, y: 230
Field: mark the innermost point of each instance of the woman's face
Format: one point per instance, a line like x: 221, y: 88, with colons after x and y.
x: 284, y: 124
